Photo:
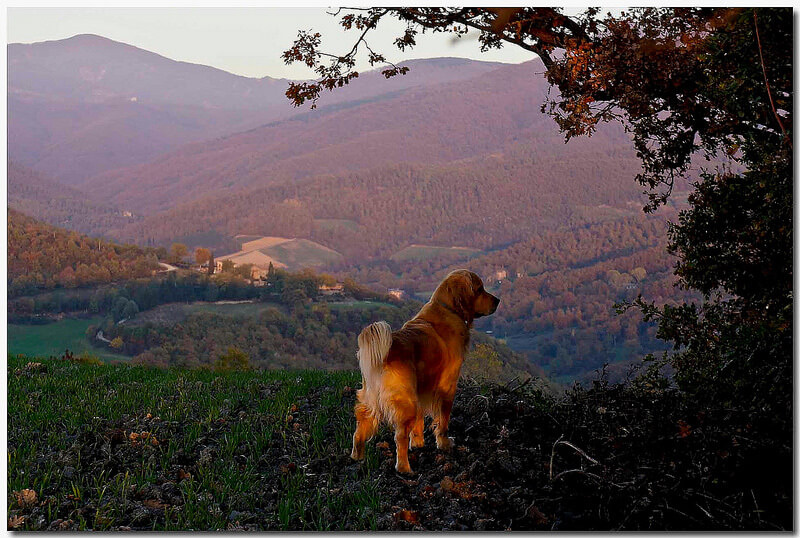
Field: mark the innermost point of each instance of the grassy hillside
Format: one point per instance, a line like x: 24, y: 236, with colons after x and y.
x: 299, y: 253
x: 120, y: 447
x: 53, y: 338
x: 283, y: 252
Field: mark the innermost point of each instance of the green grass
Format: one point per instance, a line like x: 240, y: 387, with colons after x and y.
x: 170, y: 313
x: 62, y: 418
x: 53, y: 338
x: 299, y: 253
x: 345, y: 305
x: 425, y: 252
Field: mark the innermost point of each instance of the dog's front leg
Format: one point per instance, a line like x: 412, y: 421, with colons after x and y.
x: 402, y: 430
x: 418, y: 433
x: 443, y: 442
x: 401, y: 439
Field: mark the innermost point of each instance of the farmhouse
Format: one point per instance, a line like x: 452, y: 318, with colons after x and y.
x: 252, y: 254
x: 335, y: 289
x: 397, y: 293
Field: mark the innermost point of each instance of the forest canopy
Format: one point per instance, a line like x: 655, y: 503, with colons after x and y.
x: 41, y: 256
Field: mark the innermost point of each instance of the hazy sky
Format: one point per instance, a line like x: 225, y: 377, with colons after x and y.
x: 243, y: 40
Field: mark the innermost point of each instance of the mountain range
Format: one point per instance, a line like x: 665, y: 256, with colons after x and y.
x: 84, y: 105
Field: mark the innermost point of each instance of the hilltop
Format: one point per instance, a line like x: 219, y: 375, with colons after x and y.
x: 180, y: 450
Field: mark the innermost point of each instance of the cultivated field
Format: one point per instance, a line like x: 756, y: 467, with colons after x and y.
x: 299, y: 253
x: 425, y: 252
x: 290, y: 253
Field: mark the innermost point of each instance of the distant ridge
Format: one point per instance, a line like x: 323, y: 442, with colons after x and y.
x: 88, y: 104
x: 60, y: 205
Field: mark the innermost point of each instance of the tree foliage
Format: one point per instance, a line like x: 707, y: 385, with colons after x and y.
x: 202, y: 255
x: 232, y: 360
x: 177, y: 252
x: 43, y: 257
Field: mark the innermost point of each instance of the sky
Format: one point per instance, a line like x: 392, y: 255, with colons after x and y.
x: 246, y: 41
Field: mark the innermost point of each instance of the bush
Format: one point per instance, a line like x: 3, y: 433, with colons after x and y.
x: 233, y: 360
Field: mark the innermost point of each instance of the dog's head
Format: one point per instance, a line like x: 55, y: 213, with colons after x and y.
x: 462, y: 291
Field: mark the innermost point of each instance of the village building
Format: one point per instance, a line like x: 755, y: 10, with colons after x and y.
x: 334, y: 289
x: 397, y: 293
x: 254, y: 257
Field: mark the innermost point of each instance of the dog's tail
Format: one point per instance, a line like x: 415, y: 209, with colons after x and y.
x: 373, y: 347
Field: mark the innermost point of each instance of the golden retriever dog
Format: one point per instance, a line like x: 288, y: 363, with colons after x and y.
x: 412, y: 373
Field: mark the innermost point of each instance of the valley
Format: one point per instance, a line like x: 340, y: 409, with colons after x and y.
x: 390, y: 185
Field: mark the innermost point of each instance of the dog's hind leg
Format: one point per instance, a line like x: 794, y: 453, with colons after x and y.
x: 365, y: 429
x: 405, y: 416
x: 418, y: 433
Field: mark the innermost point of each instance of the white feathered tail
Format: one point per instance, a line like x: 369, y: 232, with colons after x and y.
x: 373, y: 347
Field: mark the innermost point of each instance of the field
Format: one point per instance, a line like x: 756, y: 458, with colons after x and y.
x: 358, y: 304
x: 177, y: 312
x: 115, y: 447
x: 241, y: 239
x: 425, y: 252
x: 299, y: 253
x: 291, y: 253
x: 53, y: 338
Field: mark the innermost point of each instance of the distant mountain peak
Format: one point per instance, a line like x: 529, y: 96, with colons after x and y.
x: 87, y: 104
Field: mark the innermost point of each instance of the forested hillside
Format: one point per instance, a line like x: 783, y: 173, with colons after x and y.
x: 52, y: 202
x: 482, y: 202
x: 41, y: 256
x: 430, y: 125
x: 558, y: 291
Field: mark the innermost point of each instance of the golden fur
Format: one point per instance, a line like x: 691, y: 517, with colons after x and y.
x: 413, y: 372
